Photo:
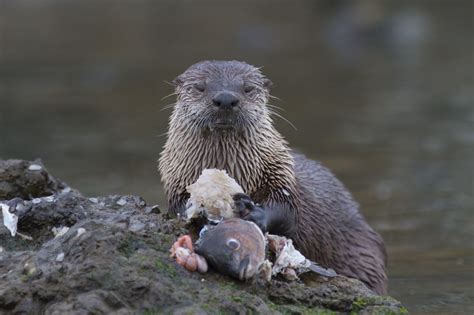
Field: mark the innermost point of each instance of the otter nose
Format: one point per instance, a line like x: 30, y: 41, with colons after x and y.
x: 225, y: 100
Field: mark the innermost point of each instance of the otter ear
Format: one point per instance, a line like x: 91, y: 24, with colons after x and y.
x: 267, y: 83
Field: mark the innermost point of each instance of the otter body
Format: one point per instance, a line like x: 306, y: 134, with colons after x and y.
x: 221, y: 120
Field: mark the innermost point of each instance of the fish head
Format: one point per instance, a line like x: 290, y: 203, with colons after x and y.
x: 233, y: 247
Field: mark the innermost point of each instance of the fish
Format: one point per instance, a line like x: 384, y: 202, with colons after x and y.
x: 233, y: 247
x: 237, y: 248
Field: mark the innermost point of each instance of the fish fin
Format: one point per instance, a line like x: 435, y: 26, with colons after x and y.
x: 322, y: 271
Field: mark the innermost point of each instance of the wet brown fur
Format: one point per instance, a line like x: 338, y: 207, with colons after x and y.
x: 329, y: 227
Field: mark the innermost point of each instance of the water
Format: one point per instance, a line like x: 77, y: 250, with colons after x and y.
x: 382, y: 92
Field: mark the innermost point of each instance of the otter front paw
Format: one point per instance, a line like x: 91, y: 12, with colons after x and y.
x: 243, y: 204
x: 246, y: 209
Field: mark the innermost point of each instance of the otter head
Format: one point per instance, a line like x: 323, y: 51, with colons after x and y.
x: 222, y: 95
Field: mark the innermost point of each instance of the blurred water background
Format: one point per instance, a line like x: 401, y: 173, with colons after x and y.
x: 382, y: 92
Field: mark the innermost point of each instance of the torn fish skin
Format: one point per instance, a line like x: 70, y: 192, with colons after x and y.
x: 211, y: 196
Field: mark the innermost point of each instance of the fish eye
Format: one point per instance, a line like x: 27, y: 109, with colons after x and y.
x: 249, y: 88
x: 201, y: 86
x: 233, y: 244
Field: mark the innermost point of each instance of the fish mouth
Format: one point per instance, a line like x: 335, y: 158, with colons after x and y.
x: 244, y: 269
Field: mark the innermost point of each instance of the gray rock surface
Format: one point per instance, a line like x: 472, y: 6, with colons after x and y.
x: 114, y: 259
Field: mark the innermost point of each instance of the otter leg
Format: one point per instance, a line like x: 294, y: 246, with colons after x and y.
x: 276, y: 219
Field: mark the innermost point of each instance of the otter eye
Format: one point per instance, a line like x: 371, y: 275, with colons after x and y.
x: 249, y: 88
x: 233, y: 244
x: 200, y: 86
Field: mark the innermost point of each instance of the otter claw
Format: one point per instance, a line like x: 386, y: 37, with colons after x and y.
x: 248, y: 210
x: 243, y: 197
x: 243, y: 204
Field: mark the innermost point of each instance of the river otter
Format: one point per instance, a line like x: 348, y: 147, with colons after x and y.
x: 221, y: 120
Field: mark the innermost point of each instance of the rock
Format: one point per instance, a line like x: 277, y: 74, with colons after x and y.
x: 26, y: 180
x: 114, y: 259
